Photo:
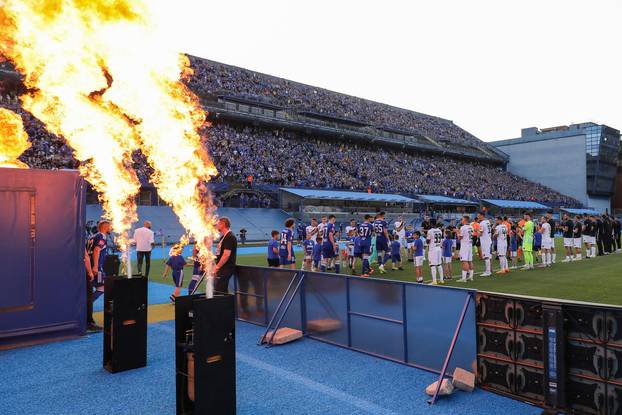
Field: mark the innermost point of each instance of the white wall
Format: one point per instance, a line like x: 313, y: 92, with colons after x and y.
x: 558, y: 163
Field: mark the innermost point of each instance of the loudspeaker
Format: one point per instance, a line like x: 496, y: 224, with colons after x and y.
x: 205, y: 355
x: 125, y: 323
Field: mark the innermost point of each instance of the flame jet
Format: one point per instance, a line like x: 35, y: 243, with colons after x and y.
x: 100, y: 74
x: 13, y: 139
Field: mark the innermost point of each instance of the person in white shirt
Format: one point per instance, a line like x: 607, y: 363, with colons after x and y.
x: 466, y: 249
x: 547, y: 242
x: 145, y: 241
x: 485, y: 241
x: 400, y: 229
x: 501, y: 233
x: 435, y: 239
x: 351, y: 227
x: 312, y: 231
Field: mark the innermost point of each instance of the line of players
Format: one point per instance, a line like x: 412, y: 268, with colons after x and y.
x: 322, y: 252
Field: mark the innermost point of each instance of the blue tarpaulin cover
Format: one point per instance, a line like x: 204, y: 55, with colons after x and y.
x: 42, y: 278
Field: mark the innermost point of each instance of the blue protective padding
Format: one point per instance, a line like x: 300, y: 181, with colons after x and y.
x: 51, y: 292
x: 432, y: 315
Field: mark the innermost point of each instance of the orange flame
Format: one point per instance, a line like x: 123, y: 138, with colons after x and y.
x: 13, y: 139
x: 101, y: 76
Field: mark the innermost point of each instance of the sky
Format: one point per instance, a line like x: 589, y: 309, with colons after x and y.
x: 493, y: 67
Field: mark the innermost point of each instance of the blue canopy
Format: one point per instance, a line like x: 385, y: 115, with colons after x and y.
x: 445, y: 200
x: 347, y: 195
x: 515, y: 204
x: 580, y: 211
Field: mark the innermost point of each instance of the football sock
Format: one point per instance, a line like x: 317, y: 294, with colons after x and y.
x: 471, y: 274
x: 487, y: 262
x: 337, y: 268
x: 464, y: 275
x: 433, y: 271
x: 440, y: 272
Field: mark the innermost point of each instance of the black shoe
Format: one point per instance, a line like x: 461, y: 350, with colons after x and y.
x: 93, y: 328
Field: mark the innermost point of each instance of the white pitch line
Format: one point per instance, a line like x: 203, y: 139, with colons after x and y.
x: 359, y: 403
x: 362, y: 404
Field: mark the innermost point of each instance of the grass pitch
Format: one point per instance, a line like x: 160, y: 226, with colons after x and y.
x: 596, y: 280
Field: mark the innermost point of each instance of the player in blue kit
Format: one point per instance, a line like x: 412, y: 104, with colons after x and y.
x: 418, y: 256
x: 447, y: 247
x: 273, y: 250
x: 317, y: 254
x: 396, y: 257
x: 286, y: 245
x: 176, y: 262
x: 382, y: 240
x: 97, y: 249
x: 328, y: 247
x: 197, y: 271
x: 365, y: 231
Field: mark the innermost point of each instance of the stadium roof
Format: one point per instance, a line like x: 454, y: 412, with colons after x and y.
x: 346, y: 195
x: 580, y: 211
x: 445, y: 200
x: 515, y: 204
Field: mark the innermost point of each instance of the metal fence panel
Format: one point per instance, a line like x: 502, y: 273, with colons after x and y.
x: 327, y: 307
x: 432, y: 315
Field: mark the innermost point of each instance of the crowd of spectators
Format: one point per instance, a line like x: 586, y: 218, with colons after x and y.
x: 285, y: 158
x: 290, y: 159
x: 214, y: 78
x: 48, y: 151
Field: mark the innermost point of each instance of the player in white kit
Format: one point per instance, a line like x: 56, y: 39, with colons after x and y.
x: 466, y: 249
x: 312, y: 231
x: 501, y: 233
x: 435, y: 253
x: 547, y: 242
x: 485, y: 241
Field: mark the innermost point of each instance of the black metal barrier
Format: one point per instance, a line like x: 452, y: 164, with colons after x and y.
x: 557, y: 354
x: 409, y: 323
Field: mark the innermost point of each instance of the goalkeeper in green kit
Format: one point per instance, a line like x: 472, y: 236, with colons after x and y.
x: 528, y: 229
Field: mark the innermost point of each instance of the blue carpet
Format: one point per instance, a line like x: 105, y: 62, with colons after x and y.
x: 305, y: 377
x: 157, y: 293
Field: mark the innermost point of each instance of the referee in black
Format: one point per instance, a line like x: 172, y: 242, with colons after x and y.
x: 226, y: 256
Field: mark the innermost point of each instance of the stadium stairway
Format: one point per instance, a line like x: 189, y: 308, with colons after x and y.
x: 258, y: 222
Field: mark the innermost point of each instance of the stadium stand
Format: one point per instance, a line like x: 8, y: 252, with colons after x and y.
x: 258, y: 222
x: 283, y: 157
